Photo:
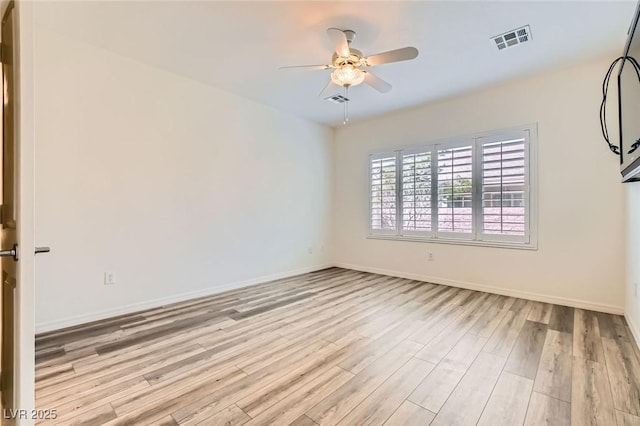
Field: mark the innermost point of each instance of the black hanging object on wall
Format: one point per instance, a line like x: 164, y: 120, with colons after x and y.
x: 603, y: 106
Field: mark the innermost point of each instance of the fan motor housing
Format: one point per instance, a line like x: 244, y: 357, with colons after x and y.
x: 355, y: 59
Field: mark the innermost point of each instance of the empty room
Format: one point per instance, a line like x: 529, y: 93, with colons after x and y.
x: 320, y: 213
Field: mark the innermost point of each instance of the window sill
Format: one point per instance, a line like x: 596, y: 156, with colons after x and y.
x: 495, y: 244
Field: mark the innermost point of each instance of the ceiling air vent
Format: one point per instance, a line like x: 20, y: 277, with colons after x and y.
x: 512, y: 38
x: 337, y: 99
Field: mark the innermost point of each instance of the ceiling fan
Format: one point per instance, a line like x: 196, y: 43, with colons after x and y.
x: 348, y: 65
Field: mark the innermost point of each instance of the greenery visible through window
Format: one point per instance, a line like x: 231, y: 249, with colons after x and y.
x: 476, y: 189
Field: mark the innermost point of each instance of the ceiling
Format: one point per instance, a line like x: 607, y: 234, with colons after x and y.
x: 238, y: 46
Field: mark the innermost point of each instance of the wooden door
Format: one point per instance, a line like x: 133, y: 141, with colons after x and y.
x: 9, y: 219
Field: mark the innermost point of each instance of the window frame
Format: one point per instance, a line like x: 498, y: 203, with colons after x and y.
x: 379, y: 156
x: 499, y: 137
x: 399, y: 188
x: 452, y: 144
x: 477, y: 237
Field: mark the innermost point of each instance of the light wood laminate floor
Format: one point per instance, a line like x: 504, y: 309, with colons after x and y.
x: 348, y: 348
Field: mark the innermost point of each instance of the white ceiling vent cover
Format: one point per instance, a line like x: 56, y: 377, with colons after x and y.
x: 337, y: 99
x: 512, y: 38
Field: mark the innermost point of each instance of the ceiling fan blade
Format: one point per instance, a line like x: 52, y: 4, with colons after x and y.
x: 330, y: 86
x: 339, y: 41
x: 376, y: 82
x: 397, y: 55
x: 313, y: 67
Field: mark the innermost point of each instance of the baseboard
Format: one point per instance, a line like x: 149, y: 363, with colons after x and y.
x: 575, y: 303
x: 635, y: 333
x: 154, y: 303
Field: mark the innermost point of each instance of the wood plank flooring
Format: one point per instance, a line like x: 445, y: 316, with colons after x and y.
x: 341, y: 347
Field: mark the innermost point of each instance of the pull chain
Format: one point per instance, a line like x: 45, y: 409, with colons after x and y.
x: 346, y: 105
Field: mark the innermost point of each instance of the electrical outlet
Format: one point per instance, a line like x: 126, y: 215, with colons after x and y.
x: 310, y: 250
x: 109, y: 278
x: 430, y: 257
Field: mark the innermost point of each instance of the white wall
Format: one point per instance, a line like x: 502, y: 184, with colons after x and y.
x: 632, y: 307
x: 179, y: 188
x: 580, y: 259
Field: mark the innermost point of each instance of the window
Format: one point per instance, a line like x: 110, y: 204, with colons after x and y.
x: 383, y: 193
x: 416, y: 192
x: 504, y: 191
x: 476, y: 190
x: 455, y: 189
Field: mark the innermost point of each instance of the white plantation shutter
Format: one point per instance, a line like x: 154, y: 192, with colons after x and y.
x: 476, y: 190
x: 504, y: 189
x: 416, y: 193
x: 383, y: 178
x: 455, y: 190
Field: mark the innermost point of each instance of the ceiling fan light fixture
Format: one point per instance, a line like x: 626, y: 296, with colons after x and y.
x: 347, y: 62
x: 347, y: 75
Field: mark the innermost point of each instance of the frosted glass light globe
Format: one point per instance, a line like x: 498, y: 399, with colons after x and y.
x: 347, y: 75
